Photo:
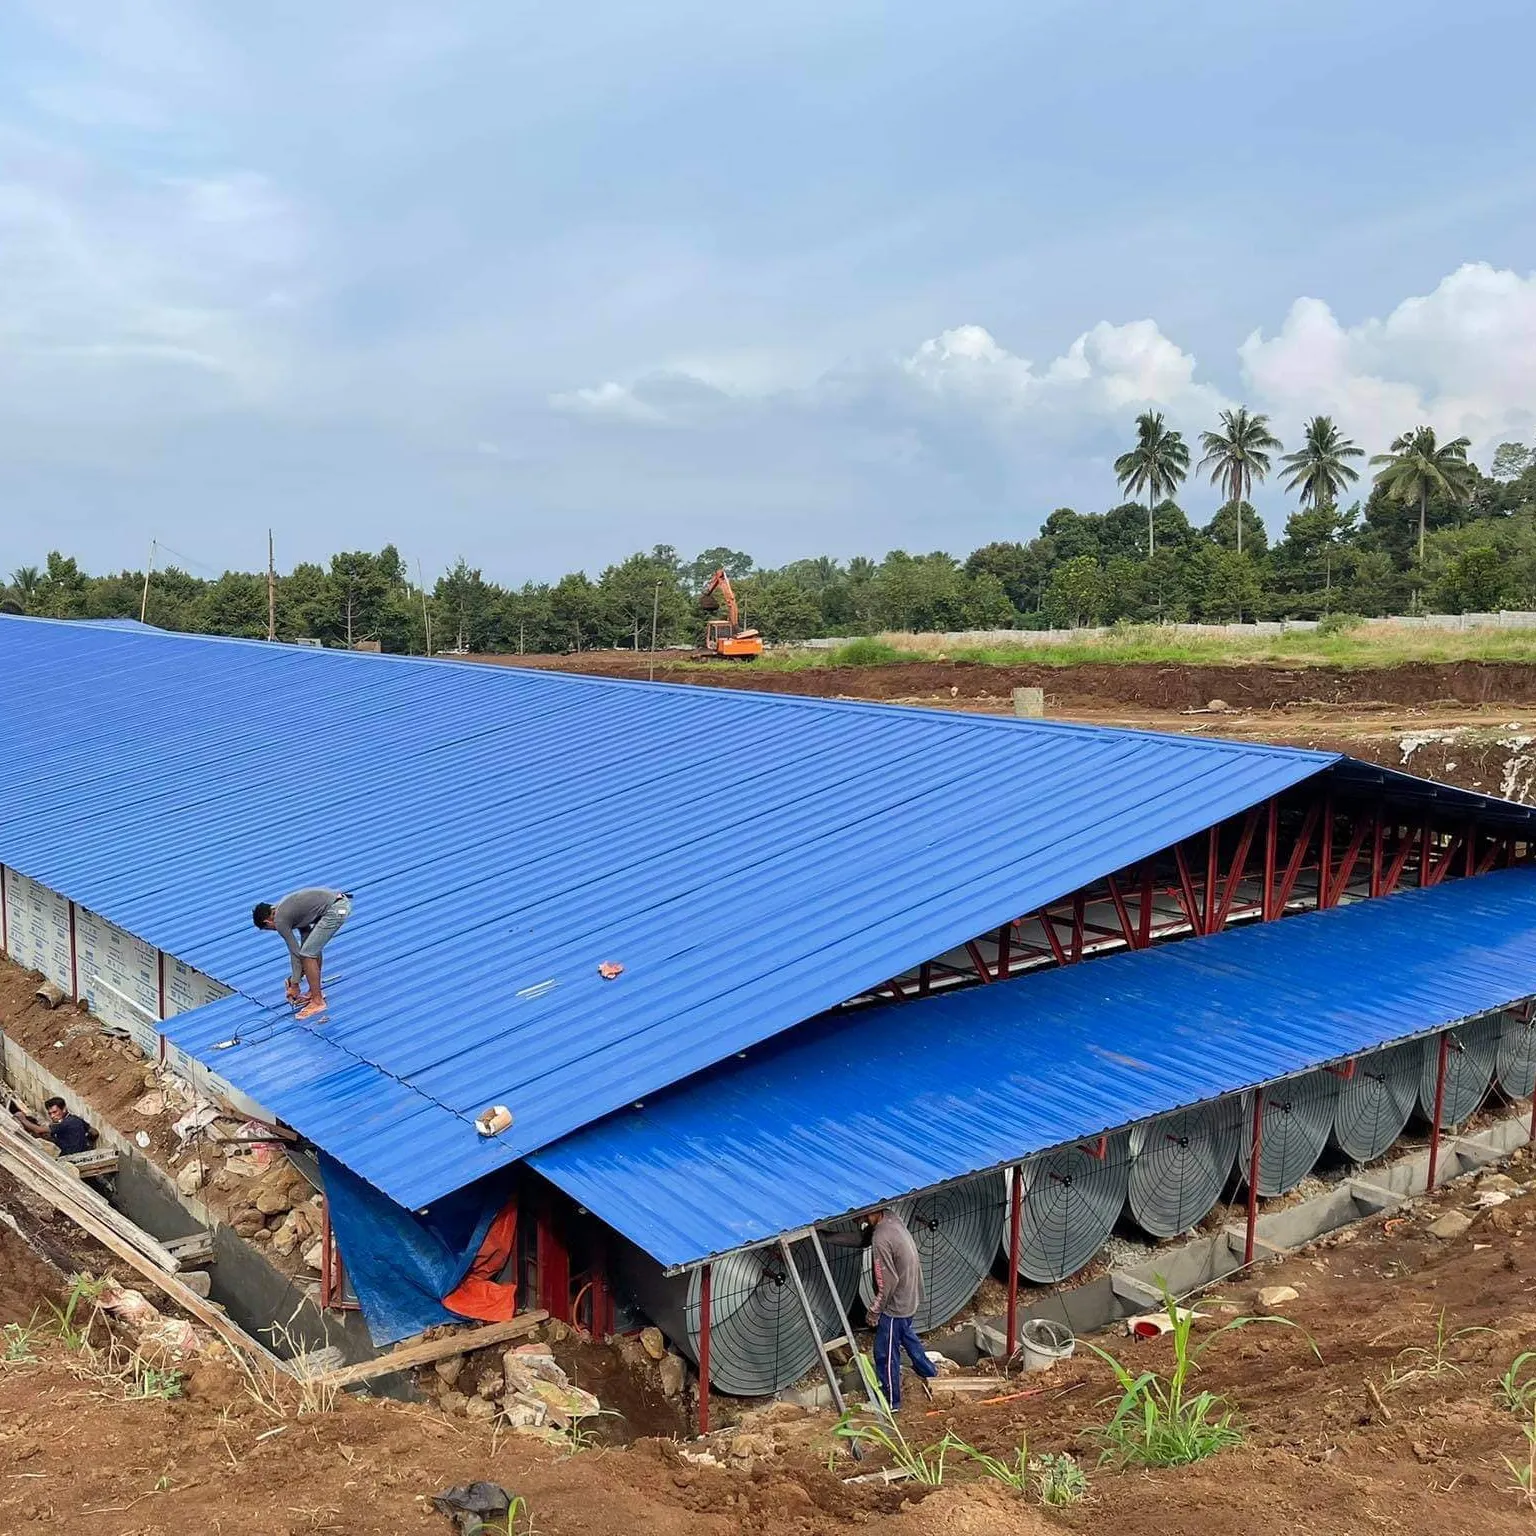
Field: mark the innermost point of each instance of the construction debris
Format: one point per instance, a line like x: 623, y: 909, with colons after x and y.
x: 431, y: 1350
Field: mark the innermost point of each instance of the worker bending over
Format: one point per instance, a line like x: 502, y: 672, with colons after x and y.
x: 307, y: 920
x: 898, y: 1295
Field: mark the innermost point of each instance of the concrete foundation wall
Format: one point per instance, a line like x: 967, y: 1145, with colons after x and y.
x: 254, y: 1292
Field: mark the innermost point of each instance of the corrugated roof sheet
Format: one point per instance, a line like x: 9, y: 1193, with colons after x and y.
x: 875, y: 1106
x: 750, y: 860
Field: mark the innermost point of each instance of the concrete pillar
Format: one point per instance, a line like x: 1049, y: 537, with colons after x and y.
x: 1029, y: 703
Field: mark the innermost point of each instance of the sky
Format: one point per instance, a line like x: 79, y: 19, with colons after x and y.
x: 540, y: 285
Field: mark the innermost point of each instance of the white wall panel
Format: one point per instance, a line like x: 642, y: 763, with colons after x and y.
x: 119, y: 976
x: 186, y: 989
x: 37, y: 928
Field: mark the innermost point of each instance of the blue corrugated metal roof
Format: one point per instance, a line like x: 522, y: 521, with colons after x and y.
x: 880, y: 1105
x: 750, y: 859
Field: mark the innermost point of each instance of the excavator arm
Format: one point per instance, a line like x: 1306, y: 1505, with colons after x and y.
x: 716, y: 589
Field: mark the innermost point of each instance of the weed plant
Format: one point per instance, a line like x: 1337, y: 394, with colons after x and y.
x: 1160, y: 1420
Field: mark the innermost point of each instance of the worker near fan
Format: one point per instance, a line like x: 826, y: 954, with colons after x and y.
x: 898, y: 1272
x: 307, y: 921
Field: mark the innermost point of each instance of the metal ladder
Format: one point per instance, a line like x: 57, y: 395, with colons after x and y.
x: 786, y: 1246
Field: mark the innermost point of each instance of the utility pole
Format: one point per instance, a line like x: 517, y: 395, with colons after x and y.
x: 426, y: 618
x: 271, y: 590
x: 655, y: 611
x: 144, y: 601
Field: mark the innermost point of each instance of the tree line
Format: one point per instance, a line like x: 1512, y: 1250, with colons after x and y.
x: 1433, y: 532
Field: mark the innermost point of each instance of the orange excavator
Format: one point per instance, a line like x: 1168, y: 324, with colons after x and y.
x: 725, y: 637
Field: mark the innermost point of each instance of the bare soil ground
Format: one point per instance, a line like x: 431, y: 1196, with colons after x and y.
x: 1467, y: 723
x: 1155, y: 685
x: 113, y: 1077
x: 1372, y: 1436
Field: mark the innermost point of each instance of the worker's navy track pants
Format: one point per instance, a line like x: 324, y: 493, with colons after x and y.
x: 892, y: 1335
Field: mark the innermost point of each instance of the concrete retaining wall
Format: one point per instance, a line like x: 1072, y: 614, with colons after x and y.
x: 254, y: 1292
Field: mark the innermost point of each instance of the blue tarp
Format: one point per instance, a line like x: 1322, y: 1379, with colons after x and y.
x: 402, y: 1265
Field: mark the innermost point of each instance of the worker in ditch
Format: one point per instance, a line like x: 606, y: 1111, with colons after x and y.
x: 307, y: 920
x: 898, y: 1295
x: 69, y: 1133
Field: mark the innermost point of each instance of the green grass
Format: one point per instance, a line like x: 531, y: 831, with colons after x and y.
x: 1056, y: 1480
x: 1354, y: 647
x: 71, y: 1333
x: 1429, y: 1362
x: 1517, y: 1386
x: 16, y: 1343
x: 151, y: 1381
x: 1160, y: 1420
x: 1059, y: 1480
x: 1524, y: 1470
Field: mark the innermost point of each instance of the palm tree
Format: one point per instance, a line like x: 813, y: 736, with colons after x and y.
x: 1157, y: 465
x: 26, y: 579
x: 1417, y: 465
x: 1319, y: 470
x: 1237, y: 455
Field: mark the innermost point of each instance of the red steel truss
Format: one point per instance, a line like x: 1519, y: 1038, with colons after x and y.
x: 1306, y: 849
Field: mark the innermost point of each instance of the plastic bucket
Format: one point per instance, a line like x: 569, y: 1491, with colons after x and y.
x: 1043, y: 1342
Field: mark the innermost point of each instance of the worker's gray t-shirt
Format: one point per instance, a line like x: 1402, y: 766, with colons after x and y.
x: 295, y: 915
x: 898, y: 1268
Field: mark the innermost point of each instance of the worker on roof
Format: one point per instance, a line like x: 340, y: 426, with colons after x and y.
x: 307, y: 920
x: 898, y: 1294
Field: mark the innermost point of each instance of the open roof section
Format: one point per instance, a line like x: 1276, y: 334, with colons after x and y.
x: 750, y: 859
x: 872, y: 1108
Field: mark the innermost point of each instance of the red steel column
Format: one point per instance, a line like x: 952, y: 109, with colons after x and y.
x: 1212, y: 848
x: 1325, y: 853
x: 1376, y: 847
x: 1271, y: 844
x: 554, y: 1266
x: 1015, y: 1221
x: 1434, y: 1129
x: 1253, y: 1174
x: 705, y: 1317
x: 1004, y: 950
x: 327, y: 1283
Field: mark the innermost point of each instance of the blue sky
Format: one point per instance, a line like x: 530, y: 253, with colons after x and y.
x: 542, y: 285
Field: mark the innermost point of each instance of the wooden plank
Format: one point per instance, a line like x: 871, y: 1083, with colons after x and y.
x: 194, y: 1248
x: 69, y: 1197
x: 92, y: 1165
x: 45, y: 1175
x: 444, y: 1348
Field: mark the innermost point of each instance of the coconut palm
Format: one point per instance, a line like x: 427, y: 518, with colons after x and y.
x: 1237, y: 455
x: 1157, y: 465
x: 26, y: 579
x: 1418, y: 465
x: 1320, y: 470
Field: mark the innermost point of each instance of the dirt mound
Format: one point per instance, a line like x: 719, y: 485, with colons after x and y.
x: 27, y: 1284
x: 1156, y: 685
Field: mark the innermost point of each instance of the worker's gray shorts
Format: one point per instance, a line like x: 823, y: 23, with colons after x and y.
x: 326, y: 927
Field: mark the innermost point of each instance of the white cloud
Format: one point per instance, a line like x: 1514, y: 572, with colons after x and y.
x: 609, y: 399
x: 102, y: 275
x: 1461, y: 358
x: 1105, y: 372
